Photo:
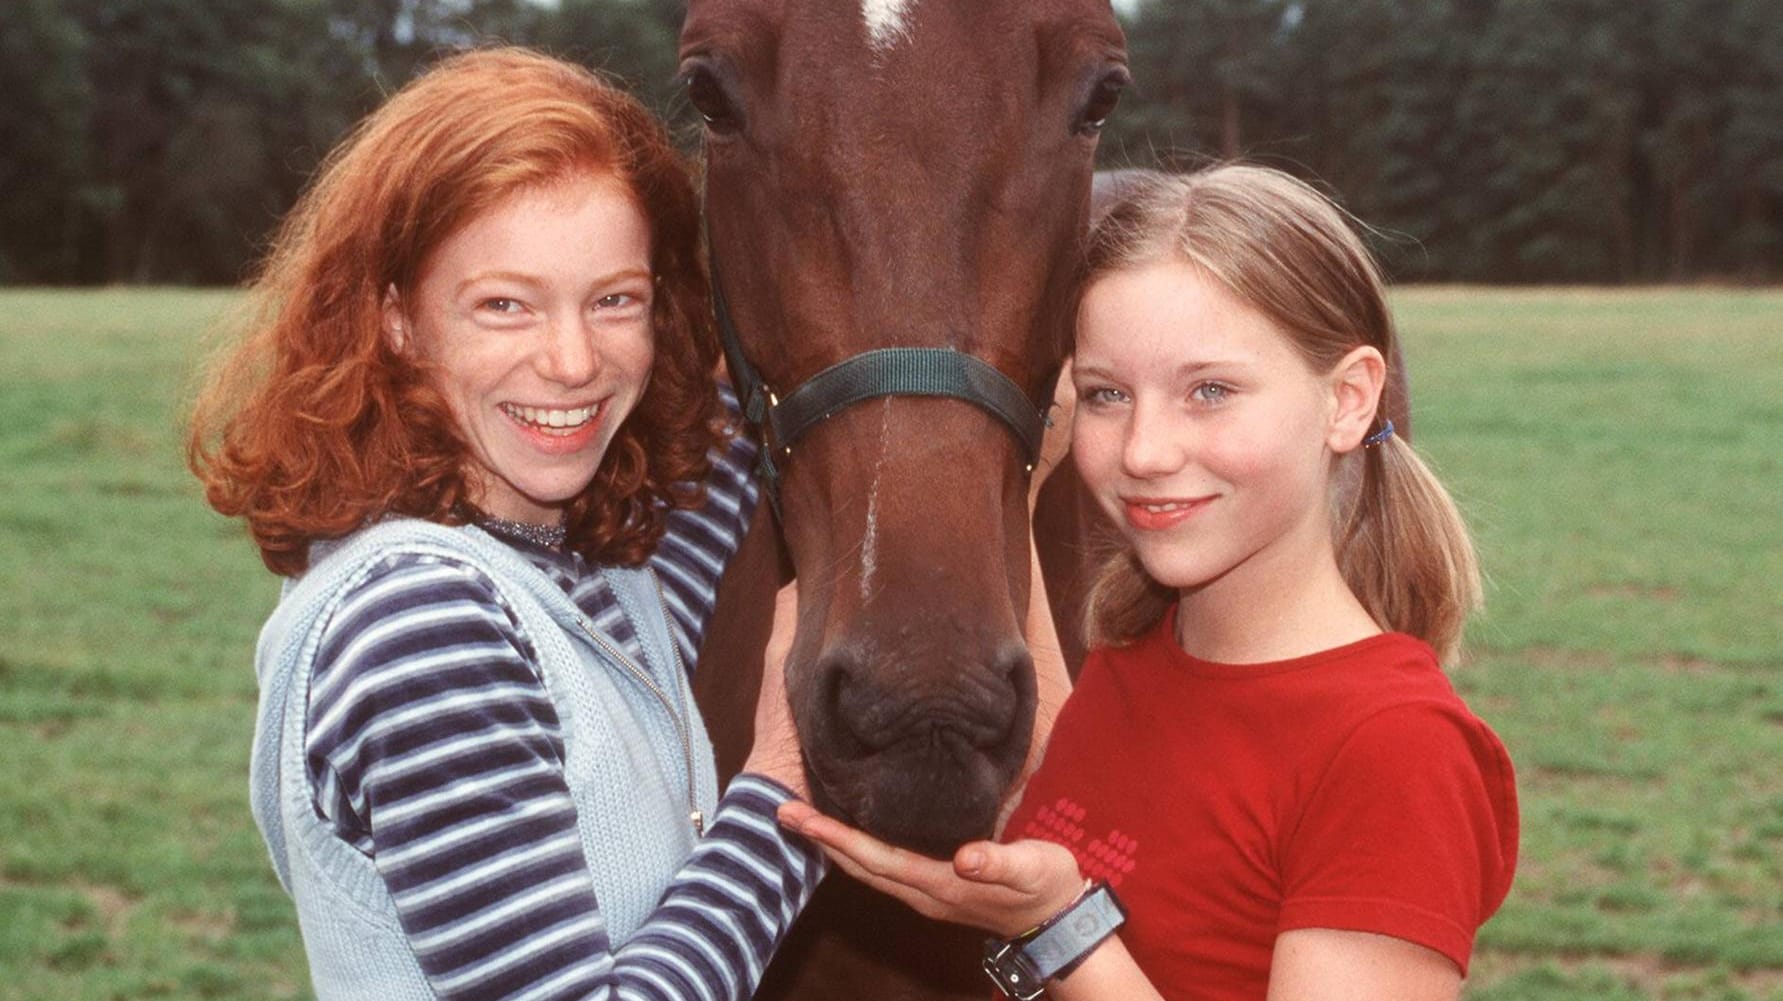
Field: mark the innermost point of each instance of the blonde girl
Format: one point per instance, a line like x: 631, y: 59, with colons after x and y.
x: 1263, y: 761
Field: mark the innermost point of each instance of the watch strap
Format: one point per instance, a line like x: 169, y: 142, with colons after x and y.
x: 1020, y: 967
x: 1075, y: 932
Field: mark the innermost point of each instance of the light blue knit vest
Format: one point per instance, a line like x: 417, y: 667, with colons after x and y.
x: 624, y: 758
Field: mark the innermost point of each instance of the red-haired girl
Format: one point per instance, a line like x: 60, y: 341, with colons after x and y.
x: 474, y: 422
x: 1262, y: 761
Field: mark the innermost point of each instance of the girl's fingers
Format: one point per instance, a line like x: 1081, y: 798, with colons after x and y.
x: 860, y: 848
x: 793, y: 812
x: 903, y: 875
x: 1026, y: 866
x: 983, y: 869
x: 914, y: 897
x: 987, y: 862
x: 1039, y: 878
x: 1004, y: 888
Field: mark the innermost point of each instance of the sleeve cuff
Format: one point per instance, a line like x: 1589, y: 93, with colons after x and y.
x: 1399, y: 920
x: 754, y: 799
x: 761, y: 785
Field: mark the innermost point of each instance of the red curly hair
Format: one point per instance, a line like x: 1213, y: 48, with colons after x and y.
x: 314, y: 425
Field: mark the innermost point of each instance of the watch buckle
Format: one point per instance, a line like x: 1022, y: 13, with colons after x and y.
x: 1004, y: 964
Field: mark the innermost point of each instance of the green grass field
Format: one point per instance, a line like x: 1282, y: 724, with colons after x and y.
x: 1619, y: 453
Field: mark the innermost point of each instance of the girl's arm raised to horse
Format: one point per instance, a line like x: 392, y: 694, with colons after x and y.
x: 700, y: 542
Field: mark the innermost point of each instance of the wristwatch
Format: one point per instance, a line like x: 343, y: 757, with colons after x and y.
x: 1021, y: 966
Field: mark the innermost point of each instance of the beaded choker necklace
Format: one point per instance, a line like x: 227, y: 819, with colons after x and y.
x: 547, y: 536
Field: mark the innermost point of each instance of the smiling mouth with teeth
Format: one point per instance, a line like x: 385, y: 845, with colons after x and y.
x: 1156, y: 514
x: 550, y: 421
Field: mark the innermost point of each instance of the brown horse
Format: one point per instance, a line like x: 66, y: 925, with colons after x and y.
x: 909, y: 174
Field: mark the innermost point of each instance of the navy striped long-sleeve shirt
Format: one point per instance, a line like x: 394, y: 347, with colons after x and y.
x: 433, y: 748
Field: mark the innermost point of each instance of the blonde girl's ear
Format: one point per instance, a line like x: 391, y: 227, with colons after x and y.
x: 396, y: 325
x: 1356, y: 385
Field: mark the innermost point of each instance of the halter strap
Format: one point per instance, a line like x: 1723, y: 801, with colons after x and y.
x: 933, y: 372
x: 907, y: 372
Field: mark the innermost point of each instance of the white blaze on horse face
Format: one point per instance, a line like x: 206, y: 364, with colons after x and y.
x: 870, y: 535
x: 888, y: 21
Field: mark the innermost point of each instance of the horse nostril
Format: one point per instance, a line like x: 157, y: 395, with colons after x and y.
x: 1018, y: 667
x: 1017, y: 673
x: 842, y: 705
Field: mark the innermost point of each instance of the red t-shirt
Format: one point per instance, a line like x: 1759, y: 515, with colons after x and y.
x: 1349, y: 789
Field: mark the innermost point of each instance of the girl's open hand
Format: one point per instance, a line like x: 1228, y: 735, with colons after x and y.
x: 1005, y: 889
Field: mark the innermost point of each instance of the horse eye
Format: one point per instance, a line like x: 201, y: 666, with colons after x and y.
x: 1103, y: 98
x: 708, y: 98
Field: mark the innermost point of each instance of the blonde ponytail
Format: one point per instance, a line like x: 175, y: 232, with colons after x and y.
x: 1405, y: 551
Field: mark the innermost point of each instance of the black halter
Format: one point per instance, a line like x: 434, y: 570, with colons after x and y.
x: 941, y: 372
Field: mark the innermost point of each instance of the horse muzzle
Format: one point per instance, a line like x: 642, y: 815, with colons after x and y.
x: 918, y: 746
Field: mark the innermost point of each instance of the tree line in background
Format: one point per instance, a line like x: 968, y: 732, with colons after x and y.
x: 1486, y: 140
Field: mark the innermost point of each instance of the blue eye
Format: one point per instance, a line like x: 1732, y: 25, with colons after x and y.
x: 1101, y: 396
x: 1211, y: 392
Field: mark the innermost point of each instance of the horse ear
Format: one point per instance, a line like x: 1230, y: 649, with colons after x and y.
x: 395, y: 324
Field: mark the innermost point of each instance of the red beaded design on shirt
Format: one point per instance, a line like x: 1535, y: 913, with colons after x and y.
x: 1110, y: 857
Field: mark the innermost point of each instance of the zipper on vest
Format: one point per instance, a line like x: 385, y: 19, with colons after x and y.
x: 694, y: 814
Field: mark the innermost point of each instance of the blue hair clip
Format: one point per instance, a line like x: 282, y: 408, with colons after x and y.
x: 1379, y: 436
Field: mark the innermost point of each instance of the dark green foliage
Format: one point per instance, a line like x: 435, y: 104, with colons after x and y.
x: 160, y: 140
x: 1490, y: 140
x: 43, y: 161
x: 633, y: 41
x: 201, y: 112
x: 1485, y: 140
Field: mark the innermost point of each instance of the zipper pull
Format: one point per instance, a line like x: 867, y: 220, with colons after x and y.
x: 699, y: 822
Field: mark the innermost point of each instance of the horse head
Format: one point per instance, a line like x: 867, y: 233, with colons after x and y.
x: 904, y: 174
